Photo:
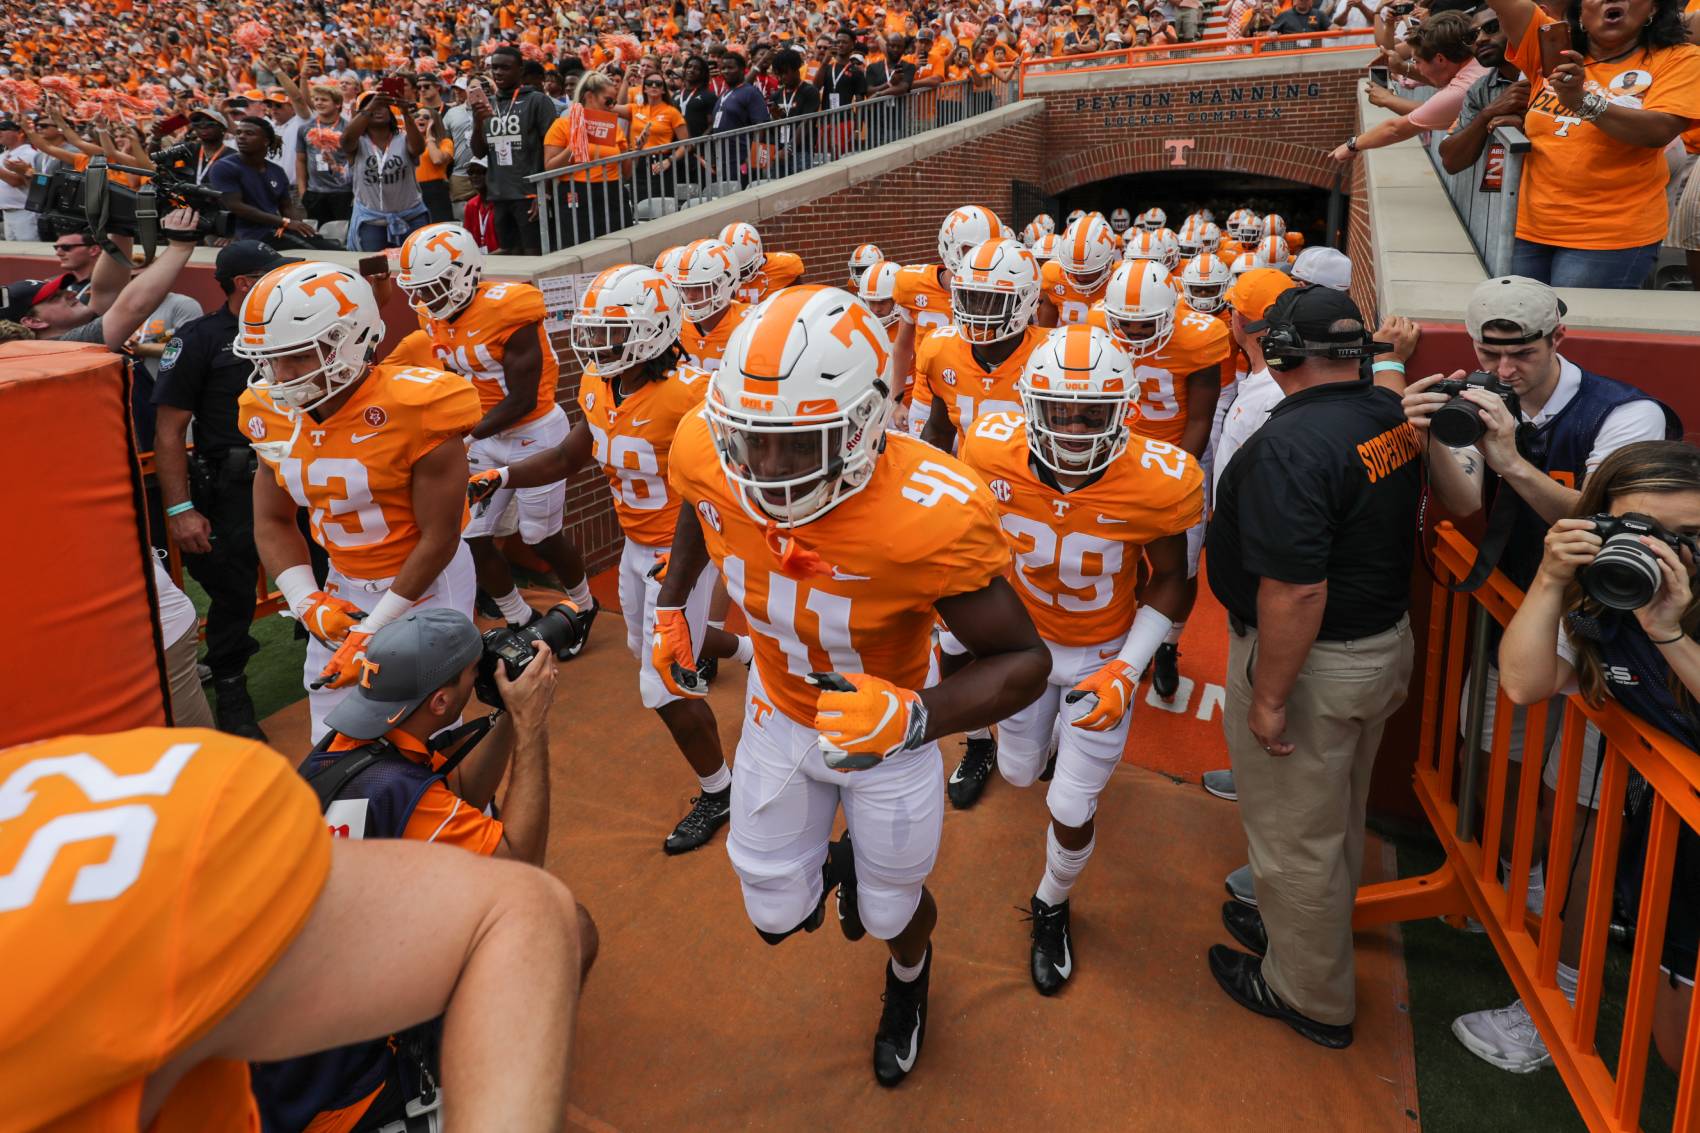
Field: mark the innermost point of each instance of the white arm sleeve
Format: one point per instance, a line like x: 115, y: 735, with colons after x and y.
x: 298, y: 586
x: 1150, y: 627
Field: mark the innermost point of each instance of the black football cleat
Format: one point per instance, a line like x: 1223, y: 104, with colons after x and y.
x: 707, y: 669
x: 903, y: 1024
x: 708, y: 813
x: 234, y: 714
x: 840, y: 871
x: 1052, y: 960
x: 1166, y: 671
x: 968, y: 781
x: 1241, y: 976
x: 485, y: 606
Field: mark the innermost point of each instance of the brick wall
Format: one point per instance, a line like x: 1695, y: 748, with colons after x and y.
x: 1360, y: 246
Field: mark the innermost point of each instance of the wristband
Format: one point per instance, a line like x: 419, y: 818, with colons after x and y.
x: 1668, y: 640
x: 1150, y: 627
x: 179, y: 509
x: 1390, y: 365
x: 390, y: 607
x: 298, y: 585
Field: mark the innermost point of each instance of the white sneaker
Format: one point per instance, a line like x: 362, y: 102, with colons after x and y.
x: 1504, y: 1037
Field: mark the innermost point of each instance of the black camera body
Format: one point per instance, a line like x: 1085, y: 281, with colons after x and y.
x: 1458, y: 423
x: 512, y: 649
x: 1625, y: 574
x: 73, y: 199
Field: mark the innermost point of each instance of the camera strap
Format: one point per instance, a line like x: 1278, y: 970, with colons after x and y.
x: 147, y: 218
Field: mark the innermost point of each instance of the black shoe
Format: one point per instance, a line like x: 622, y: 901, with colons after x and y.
x: 1050, y: 767
x: 1241, y: 976
x: 235, y: 712
x: 840, y: 871
x: 485, y: 607
x: 707, y: 669
x: 1166, y: 671
x: 1052, y: 960
x: 969, y: 779
x: 1245, y: 924
x: 903, y: 1024
x: 582, y: 619
x: 708, y: 813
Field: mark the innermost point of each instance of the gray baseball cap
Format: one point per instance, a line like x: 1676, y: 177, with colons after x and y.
x: 1527, y: 304
x: 406, y: 661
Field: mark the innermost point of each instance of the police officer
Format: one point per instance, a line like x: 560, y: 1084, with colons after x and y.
x: 209, y: 497
x: 1310, y: 553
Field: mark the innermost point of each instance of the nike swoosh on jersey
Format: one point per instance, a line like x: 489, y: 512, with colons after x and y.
x: 845, y: 576
x: 914, y: 1048
x: 358, y: 437
x: 1064, y: 969
x: 1110, y: 519
x: 640, y: 422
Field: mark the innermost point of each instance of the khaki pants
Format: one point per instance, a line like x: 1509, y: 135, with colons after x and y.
x: 189, y: 707
x: 1304, y: 813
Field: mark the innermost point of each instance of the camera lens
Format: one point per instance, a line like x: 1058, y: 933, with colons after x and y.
x: 1624, y: 575
x: 558, y: 631
x: 1457, y: 423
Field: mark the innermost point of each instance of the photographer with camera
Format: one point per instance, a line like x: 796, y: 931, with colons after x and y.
x: 396, y: 765
x: 1615, y: 589
x: 1524, y: 431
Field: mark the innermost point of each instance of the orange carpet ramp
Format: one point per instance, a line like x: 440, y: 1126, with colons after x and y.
x: 690, y: 1021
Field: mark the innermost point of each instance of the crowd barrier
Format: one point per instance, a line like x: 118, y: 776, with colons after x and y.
x: 1446, y: 779
x: 1197, y: 51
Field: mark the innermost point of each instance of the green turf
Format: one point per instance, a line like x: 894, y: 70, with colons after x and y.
x: 274, y: 673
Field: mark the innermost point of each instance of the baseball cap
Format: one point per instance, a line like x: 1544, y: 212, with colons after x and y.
x: 7, y: 123
x: 209, y: 112
x: 1325, y: 267
x: 248, y: 257
x: 406, y: 661
x: 16, y: 299
x: 1255, y: 291
x: 1528, y: 304
x: 1311, y: 311
x: 478, y: 161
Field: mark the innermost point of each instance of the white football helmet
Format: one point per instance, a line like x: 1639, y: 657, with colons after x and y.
x: 745, y: 243
x: 967, y: 227
x: 1245, y: 226
x: 1046, y: 248
x: 1153, y: 219
x: 1046, y: 222
x: 1204, y: 278
x: 667, y: 254
x: 1139, y: 307
x: 441, y: 265
x: 1272, y: 252
x: 1274, y: 225
x: 864, y: 257
x: 1120, y: 220
x: 1087, y: 252
x: 879, y: 292
x: 798, y: 408
x: 310, y: 329
x: 705, y: 275
x: 1078, y: 392
x: 1031, y: 235
x: 996, y: 293
x: 1243, y: 263
x: 1073, y: 218
x: 1171, y: 247
x: 1192, y: 238
x: 628, y: 315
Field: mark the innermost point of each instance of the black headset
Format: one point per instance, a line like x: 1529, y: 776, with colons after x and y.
x: 1284, y: 348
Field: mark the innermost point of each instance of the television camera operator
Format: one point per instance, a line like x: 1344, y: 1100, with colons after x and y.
x: 395, y: 764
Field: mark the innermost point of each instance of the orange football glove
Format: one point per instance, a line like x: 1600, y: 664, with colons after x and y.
x: 674, y: 657
x: 1113, y: 687
x: 329, y: 618
x: 863, y: 719
x: 484, y: 484
x: 345, y: 666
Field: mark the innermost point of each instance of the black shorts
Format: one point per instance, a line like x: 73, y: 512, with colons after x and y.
x: 517, y: 231
x: 322, y: 208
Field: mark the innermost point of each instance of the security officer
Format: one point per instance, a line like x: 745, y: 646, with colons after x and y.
x: 209, y: 498
x: 1310, y: 553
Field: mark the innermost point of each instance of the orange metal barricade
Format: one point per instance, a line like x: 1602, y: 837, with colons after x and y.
x: 1468, y: 882
x: 269, y: 601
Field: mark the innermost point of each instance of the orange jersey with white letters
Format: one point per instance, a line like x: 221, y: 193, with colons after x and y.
x: 1077, y: 553
x: 924, y: 528
x: 473, y: 343
x: 354, y: 470
x: 1072, y: 304
x: 1199, y: 340
x: 1229, y: 374
x: 704, y: 351
x: 918, y: 291
x: 148, y: 881
x: 633, y: 441
x: 778, y: 269
x: 947, y: 374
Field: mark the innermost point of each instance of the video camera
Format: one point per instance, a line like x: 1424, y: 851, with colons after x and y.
x: 89, y: 198
x: 1625, y: 574
x: 512, y: 649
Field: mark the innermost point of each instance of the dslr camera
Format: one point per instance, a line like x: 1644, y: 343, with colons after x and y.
x: 1458, y: 423
x: 1625, y: 574
x: 512, y: 649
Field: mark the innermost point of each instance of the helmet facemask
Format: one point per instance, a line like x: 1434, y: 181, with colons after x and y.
x: 985, y: 314
x: 1141, y: 337
x: 303, y: 376
x: 795, y: 468
x: 1076, y: 433
x: 1206, y: 297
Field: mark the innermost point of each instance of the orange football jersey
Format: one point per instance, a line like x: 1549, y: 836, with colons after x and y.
x: 704, y: 351
x: 148, y: 880
x: 1077, y: 553
x: 473, y: 343
x: 1071, y: 303
x: 1228, y: 249
x: 632, y: 440
x: 414, y: 350
x: 938, y: 536
x: 1229, y: 374
x: 778, y: 269
x: 947, y: 373
x: 354, y: 470
x: 1198, y: 341
x: 918, y: 291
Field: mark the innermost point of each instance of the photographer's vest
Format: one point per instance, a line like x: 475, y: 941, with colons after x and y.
x: 1560, y: 448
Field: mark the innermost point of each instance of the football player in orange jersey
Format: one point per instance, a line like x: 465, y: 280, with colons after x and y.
x: 366, y: 449
x: 783, y: 477
x: 923, y: 290
x: 174, y: 899
x: 1081, y: 505
x: 760, y: 273
x: 971, y: 366
x: 634, y: 393
x: 1178, y: 356
x: 1075, y: 279
x: 492, y: 333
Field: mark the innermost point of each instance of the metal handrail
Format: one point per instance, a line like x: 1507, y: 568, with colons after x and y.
x: 1198, y: 50
x: 575, y: 202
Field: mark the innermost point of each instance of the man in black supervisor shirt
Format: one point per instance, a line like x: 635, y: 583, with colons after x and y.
x: 1310, y: 553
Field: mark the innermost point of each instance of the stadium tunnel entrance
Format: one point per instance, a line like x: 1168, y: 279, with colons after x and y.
x: 1318, y: 214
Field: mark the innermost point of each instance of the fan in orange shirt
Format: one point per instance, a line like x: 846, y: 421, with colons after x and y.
x: 183, y: 898
x: 370, y: 451
x: 760, y: 273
